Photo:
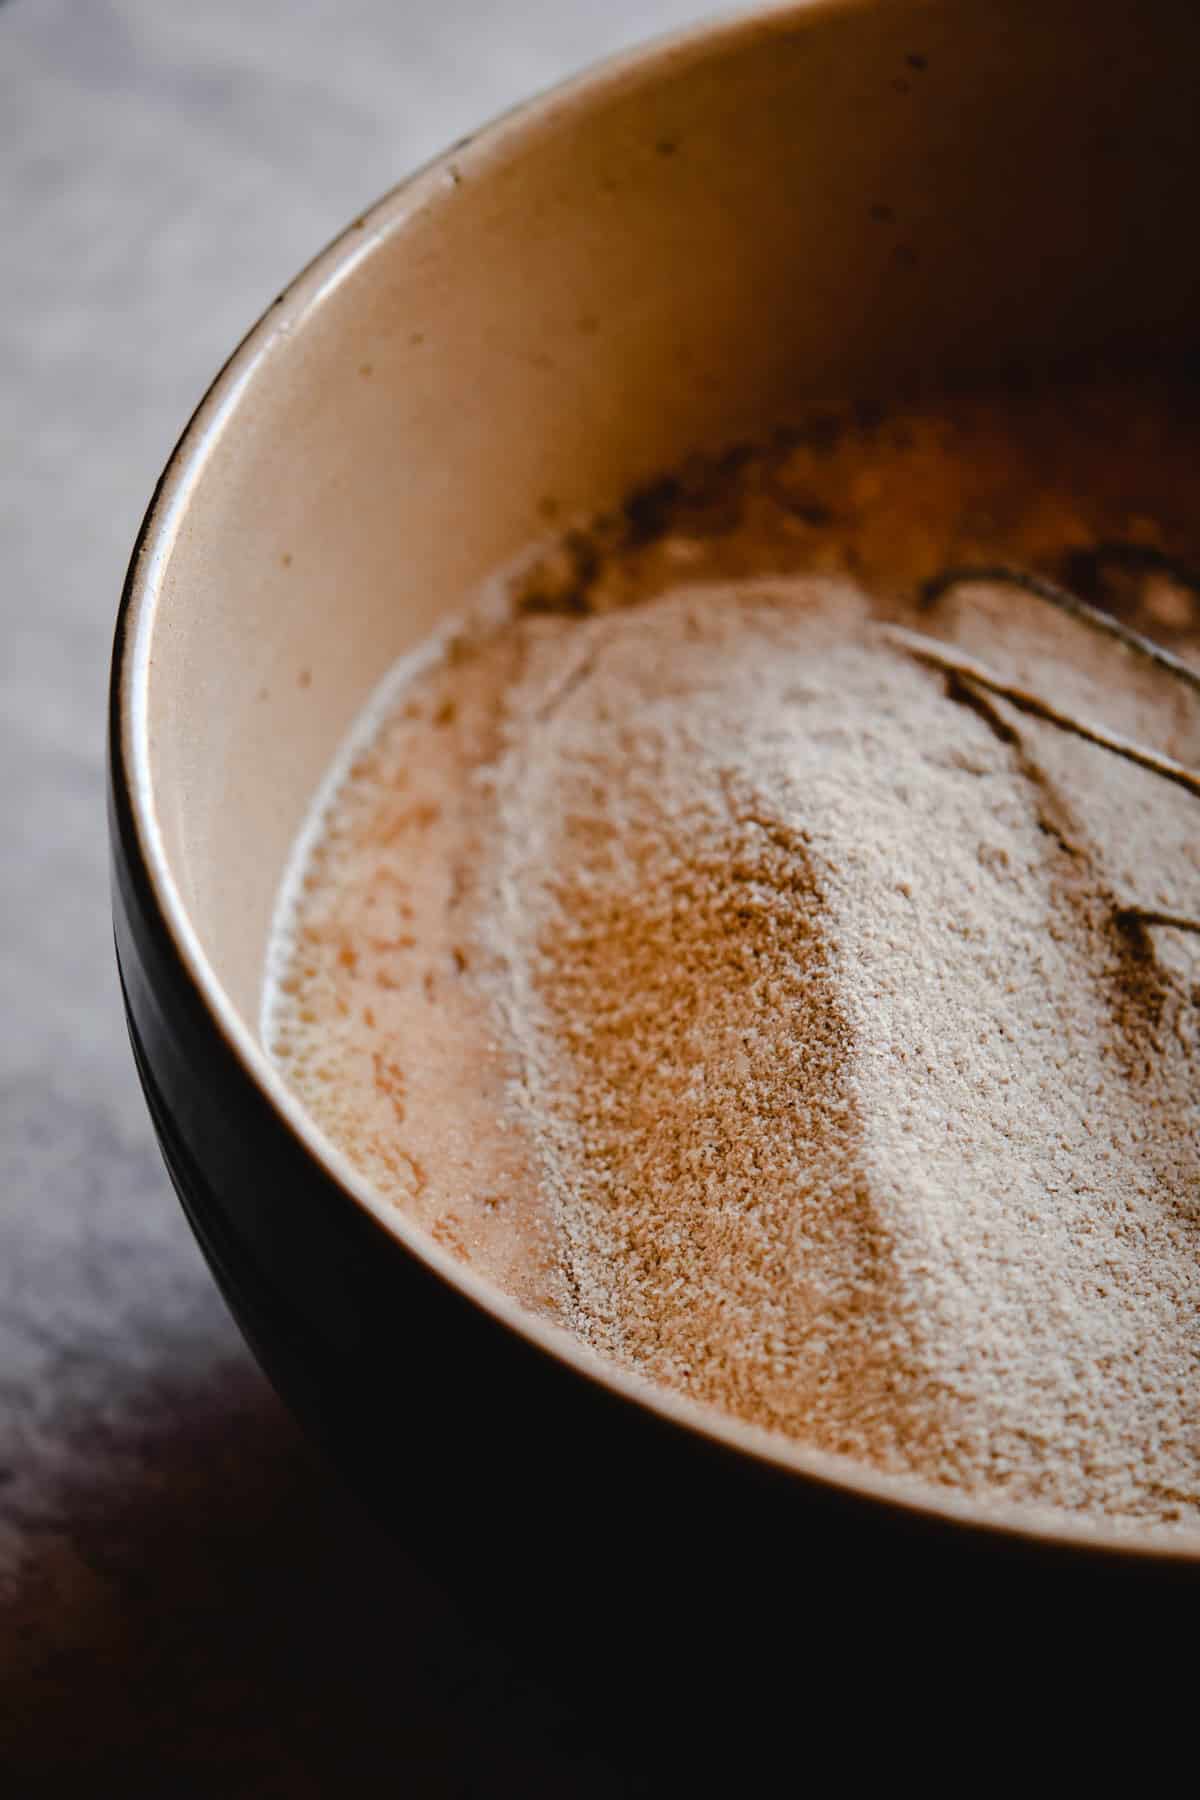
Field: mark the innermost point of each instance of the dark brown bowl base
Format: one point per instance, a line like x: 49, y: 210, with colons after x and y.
x: 594, y: 1532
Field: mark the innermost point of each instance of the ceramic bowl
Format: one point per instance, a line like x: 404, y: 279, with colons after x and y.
x: 682, y: 249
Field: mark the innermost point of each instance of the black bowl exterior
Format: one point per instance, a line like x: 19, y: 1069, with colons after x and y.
x: 522, y: 1483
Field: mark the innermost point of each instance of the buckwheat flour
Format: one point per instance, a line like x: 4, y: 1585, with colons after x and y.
x: 800, y: 1050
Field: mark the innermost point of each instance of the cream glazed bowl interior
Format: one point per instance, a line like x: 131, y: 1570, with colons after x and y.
x: 684, y: 249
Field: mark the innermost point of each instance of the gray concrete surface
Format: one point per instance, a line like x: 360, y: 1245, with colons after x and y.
x: 188, y: 1601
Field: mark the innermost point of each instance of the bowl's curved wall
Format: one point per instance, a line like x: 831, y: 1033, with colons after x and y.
x: 680, y: 251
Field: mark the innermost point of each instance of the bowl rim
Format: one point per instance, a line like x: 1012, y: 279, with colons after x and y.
x: 132, y: 780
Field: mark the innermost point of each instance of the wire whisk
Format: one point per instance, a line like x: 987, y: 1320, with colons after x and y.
x: 976, y: 675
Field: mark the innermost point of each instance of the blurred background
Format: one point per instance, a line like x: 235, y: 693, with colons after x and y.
x: 189, y: 1603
